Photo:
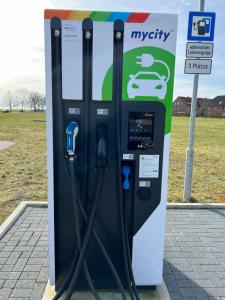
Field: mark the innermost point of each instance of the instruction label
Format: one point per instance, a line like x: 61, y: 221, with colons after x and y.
x: 71, y: 31
x: 149, y: 166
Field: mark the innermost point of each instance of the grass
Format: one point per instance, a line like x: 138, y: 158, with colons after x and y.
x: 209, y: 160
x: 23, y: 166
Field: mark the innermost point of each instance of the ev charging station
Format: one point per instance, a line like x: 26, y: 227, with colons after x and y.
x: 109, y: 91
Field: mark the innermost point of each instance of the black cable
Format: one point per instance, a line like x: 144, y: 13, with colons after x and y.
x: 126, y: 201
x: 77, y: 225
x: 117, y: 82
x: 100, y: 175
x: 57, y: 104
x: 105, y: 254
x: 67, y: 279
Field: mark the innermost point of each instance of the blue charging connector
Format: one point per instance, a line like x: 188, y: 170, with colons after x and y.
x: 71, y: 133
x: 126, y: 171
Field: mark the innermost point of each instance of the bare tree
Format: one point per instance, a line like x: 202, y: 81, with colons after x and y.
x: 42, y: 102
x: 8, y: 99
x: 37, y: 101
x: 22, y: 97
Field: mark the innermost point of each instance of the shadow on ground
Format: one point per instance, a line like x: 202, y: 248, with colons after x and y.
x: 180, y: 286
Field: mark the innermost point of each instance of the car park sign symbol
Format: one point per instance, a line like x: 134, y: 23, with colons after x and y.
x: 201, y: 26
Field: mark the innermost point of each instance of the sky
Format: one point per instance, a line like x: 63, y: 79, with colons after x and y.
x: 22, y: 40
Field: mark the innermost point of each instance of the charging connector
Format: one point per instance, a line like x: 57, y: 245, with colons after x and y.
x: 126, y: 171
x: 101, y: 142
x: 71, y: 134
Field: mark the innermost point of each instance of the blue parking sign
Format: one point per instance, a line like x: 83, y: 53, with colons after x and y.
x: 201, y: 26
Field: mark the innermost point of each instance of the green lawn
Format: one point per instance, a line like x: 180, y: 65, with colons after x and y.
x: 23, y: 166
x: 209, y: 161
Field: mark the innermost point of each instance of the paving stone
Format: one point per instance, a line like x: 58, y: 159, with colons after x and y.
x: 10, y: 283
x: 7, y: 268
x: 3, y: 260
x: 4, y: 254
x: 32, y: 268
x: 9, y: 275
x: 200, y: 236
x: 20, y: 264
x: 17, y: 292
x: 1, y: 283
x: 26, y: 254
x: 29, y: 275
x: 38, y: 291
x: 5, y: 293
x: 43, y: 275
x: 36, y: 260
x: 25, y: 283
x: 19, y: 298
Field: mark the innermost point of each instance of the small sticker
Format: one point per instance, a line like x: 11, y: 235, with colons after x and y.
x: 74, y: 110
x: 144, y: 184
x: 102, y: 111
x: 128, y: 156
x: 71, y: 32
x: 149, y: 166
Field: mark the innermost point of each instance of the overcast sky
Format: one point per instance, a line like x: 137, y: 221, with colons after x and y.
x: 22, y: 40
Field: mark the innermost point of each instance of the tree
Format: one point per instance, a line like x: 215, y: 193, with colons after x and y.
x: 22, y: 97
x: 37, y: 101
x: 8, y: 99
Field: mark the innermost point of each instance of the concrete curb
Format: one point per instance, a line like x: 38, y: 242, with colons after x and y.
x: 23, y: 205
x: 161, y: 293
x: 195, y: 206
x: 17, y: 213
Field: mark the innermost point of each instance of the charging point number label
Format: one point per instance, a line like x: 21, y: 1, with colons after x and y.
x: 149, y: 166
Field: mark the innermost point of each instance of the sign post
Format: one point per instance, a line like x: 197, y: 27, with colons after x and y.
x: 201, y: 28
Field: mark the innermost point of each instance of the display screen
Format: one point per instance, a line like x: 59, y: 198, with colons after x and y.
x: 141, y: 129
x: 141, y: 125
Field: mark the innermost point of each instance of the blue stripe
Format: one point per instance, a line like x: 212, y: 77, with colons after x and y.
x: 118, y: 15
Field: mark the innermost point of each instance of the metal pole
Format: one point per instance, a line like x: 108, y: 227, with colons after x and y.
x: 190, y: 149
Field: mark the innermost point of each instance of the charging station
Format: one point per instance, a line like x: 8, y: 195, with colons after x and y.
x: 109, y: 91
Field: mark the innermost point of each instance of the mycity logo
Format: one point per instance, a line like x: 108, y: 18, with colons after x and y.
x: 151, y: 35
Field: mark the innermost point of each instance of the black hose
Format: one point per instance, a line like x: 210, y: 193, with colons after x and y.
x: 118, y: 53
x: 68, y: 278
x: 100, y: 175
x: 126, y: 201
x: 105, y: 254
x: 77, y: 225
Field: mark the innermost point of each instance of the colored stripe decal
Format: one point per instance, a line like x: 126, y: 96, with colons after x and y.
x: 118, y: 15
x: 62, y: 14
x: 101, y: 16
x: 81, y: 15
x: 138, y: 17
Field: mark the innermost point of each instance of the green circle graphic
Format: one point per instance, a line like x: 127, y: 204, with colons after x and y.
x: 132, y: 66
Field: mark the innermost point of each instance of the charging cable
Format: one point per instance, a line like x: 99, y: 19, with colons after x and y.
x: 147, y: 60
x: 126, y: 186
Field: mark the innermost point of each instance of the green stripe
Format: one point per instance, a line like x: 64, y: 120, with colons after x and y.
x: 100, y: 15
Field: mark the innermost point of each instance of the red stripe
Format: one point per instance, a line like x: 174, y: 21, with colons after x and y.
x: 62, y: 14
x: 138, y: 17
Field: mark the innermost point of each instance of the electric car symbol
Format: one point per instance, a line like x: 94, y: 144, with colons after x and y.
x: 147, y: 84
x: 202, y: 26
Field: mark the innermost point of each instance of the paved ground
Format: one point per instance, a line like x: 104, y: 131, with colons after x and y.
x: 194, y: 255
x: 6, y: 144
x: 23, y: 257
